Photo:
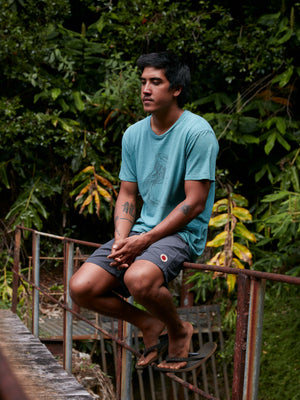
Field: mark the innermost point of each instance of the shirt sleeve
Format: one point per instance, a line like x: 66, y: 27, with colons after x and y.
x: 128, y: 165
x: 201, y: 154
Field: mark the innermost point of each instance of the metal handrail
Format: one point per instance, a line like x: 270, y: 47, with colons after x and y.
x: 251, y: 286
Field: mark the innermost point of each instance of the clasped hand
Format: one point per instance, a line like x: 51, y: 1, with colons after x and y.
x: 124, y: 251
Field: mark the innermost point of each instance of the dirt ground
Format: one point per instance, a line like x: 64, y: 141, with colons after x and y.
x: 91, y: 377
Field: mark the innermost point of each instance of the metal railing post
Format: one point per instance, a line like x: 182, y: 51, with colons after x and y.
x: 254, y: 339
x: 126, y: 360
x: 119, y: 362
x: 240, y: 336
x: 36, y: 281
x: 68, y: 317
x: 16, y: 270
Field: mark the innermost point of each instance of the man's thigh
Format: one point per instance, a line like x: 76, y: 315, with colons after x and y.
x: 143, y: 274
x: 100, y: 260
x: 92, y: 279
x: 168, y: 254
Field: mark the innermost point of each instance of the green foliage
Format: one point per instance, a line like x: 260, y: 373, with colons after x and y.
x: 70, y: 89
x: 28, y: 209
x: 279, y: 373
x: 6, y: 280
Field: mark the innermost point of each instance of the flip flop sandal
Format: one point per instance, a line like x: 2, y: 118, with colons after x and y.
x: 193, y: 360
x: 161, y: 346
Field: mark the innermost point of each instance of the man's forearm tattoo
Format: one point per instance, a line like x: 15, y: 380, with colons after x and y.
x: 185, y: 209
x: 129, y: 209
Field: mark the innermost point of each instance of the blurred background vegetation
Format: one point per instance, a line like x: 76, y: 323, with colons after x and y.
x: 70, y: 87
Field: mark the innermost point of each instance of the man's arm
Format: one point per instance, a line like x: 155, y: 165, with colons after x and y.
x: 194, y: 204
x: 196, y: 194
x: 125, y: 209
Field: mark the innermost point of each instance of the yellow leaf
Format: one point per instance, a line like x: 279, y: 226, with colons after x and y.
x: 231, y: 280
x: 104, y: 193
x: 84, y: 190
x: 241, y: 230
x: 218, y: 259
x: 86, y: 202
x: 97, y: 201
x: 219, y: 220
x: 219, y: 240
x: 89, y: 168
x: 219, y: 203
x: 242, y: 252
x: 237, y: 264
x: 242, y: 213
x: 103, y: 180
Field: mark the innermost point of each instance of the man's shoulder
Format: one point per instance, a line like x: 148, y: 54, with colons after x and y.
x: 138, y: 125
x: 197, y: 120
x: 196, y: 126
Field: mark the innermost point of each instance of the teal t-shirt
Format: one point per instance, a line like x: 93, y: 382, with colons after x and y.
x: 161, y: 163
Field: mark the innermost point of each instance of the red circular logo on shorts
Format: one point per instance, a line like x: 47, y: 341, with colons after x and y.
x: 163, y: 258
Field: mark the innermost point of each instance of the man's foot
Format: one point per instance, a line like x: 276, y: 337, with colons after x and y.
x: 179, y: 346
x: 153, y: 348
x: 157, y: 350
x: 194, y: 360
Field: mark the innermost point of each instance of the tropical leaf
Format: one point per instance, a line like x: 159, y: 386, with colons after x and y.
x: 220, y: 205
x: 97, y: 202
x: 242, y: 213
x: 243, y: 232
x: 87, y: 169
x: 84, y: 190
x: 86, y: 202
x: 240, y: 200
x: 242, y: 252
x: 218, y: 259
x: 104, y: 193
x: 219, y: 220
x: 237, y: 264
x: 89, y: 193
x: 219, y: 240
x: 231, y: 281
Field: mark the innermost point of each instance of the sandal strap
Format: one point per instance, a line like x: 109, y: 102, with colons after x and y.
x: 162, y: 344
x: 192, y: 356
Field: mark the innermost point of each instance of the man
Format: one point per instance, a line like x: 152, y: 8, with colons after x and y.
x: 169, y: 159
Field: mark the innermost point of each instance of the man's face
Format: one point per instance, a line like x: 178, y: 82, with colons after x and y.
x: 156, y: 94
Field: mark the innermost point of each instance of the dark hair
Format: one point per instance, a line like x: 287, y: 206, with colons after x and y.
x: 177, y: 73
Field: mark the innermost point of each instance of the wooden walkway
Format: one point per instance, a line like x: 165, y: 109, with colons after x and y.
x: 38, y: 373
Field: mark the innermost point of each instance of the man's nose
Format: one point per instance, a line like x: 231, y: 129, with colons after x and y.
x: 146, y: 87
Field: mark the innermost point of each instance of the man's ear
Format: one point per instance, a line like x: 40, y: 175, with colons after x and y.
x: 177, y: 91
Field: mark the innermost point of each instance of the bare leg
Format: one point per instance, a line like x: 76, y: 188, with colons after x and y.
x: 145, y: 282
x: 91, y: 287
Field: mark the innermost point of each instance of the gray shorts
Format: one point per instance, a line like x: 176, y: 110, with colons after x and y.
x: 168, y: 254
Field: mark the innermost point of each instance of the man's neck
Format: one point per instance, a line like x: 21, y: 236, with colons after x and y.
x: 161, y: 123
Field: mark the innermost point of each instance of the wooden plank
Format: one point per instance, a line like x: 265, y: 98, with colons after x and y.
x: 40, y: 376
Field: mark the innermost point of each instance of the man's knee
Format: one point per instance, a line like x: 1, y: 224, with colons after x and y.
x: 79, y: 291
x: 143, y: 282
x: 91, y: 282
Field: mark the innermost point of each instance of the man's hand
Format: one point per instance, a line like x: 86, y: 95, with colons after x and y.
x: 124, y: 251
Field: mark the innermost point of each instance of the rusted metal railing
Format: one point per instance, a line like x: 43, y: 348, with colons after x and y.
x: 251, y: 287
